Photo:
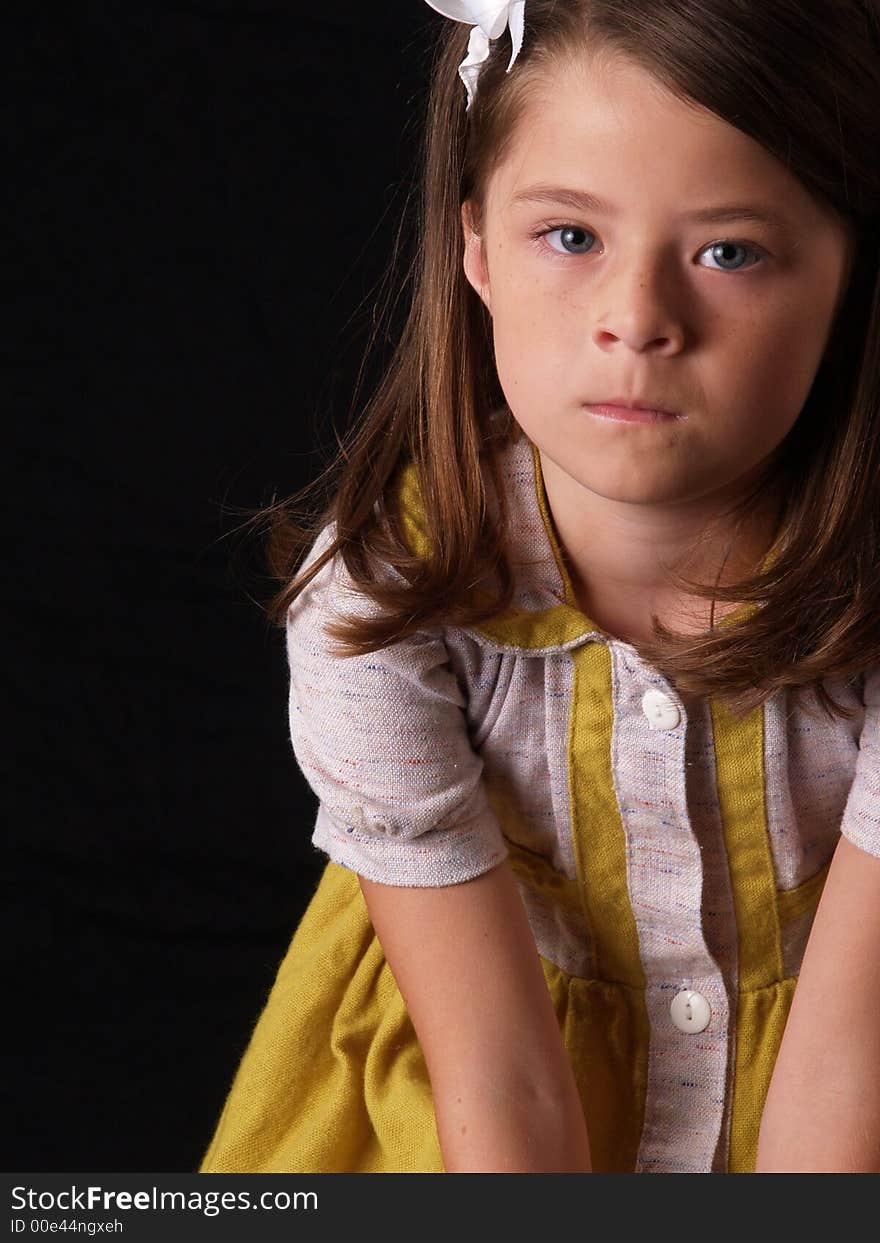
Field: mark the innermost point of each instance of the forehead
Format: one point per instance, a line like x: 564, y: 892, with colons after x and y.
x: 606, y: 124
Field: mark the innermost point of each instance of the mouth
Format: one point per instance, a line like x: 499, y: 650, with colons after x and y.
x: 624, y: 411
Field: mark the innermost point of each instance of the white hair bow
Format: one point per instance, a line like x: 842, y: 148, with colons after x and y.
x: 489, y: 18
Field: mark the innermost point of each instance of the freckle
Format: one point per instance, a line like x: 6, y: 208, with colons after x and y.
x: 464, y: 1130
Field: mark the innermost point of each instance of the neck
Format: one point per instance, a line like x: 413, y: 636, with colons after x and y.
x: 615, y: 553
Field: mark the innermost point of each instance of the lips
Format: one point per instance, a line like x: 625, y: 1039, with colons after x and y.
x: 629, y: 414
x: 642, y: 410
x: 635, y: 403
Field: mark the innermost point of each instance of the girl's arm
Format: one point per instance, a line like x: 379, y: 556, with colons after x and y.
x: 823, y: 1107
x: 466, y: 964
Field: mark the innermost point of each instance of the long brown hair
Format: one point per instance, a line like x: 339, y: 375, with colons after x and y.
x: 802, y: 77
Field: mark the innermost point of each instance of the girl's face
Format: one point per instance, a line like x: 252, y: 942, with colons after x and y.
x: 722, y: 320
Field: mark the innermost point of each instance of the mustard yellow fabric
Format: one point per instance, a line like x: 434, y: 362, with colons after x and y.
x: 763, y: 1004
x: 334, y: 1080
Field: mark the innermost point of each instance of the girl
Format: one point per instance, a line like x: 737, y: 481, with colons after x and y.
x: 585, y: 657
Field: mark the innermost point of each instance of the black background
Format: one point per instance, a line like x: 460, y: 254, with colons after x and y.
x: 201, y: 204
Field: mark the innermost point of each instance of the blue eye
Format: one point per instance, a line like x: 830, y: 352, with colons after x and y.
x: 570, y: 233
x: 721, y: 251
x: 575, y: 240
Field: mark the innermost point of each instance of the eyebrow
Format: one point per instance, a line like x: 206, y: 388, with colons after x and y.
x: 583, y: 200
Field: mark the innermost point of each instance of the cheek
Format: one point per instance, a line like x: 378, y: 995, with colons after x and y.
x: 787, y: 335
x: 536, y: 339
x: 769, y: 363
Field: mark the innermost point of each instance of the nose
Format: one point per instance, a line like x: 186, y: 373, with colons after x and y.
x: 637, y: 305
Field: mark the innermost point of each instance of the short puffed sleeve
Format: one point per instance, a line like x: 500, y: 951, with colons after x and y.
x: 861, y: 816
x: 382, y: 741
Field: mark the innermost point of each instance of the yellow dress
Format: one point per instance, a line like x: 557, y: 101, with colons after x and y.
x: 663, y: 851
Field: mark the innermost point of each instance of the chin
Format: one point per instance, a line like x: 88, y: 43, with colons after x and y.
x: 631, y: 492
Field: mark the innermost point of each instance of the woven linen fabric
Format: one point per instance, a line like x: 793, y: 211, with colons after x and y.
x: 653, y: 856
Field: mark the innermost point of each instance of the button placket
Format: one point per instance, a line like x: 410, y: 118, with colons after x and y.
x: 665, y: 876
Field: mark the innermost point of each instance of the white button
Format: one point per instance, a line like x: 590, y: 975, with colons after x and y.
x: 690, y: 1011
x: 660, y: 710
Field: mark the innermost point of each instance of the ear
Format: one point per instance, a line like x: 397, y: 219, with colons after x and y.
x: 475, y: 267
